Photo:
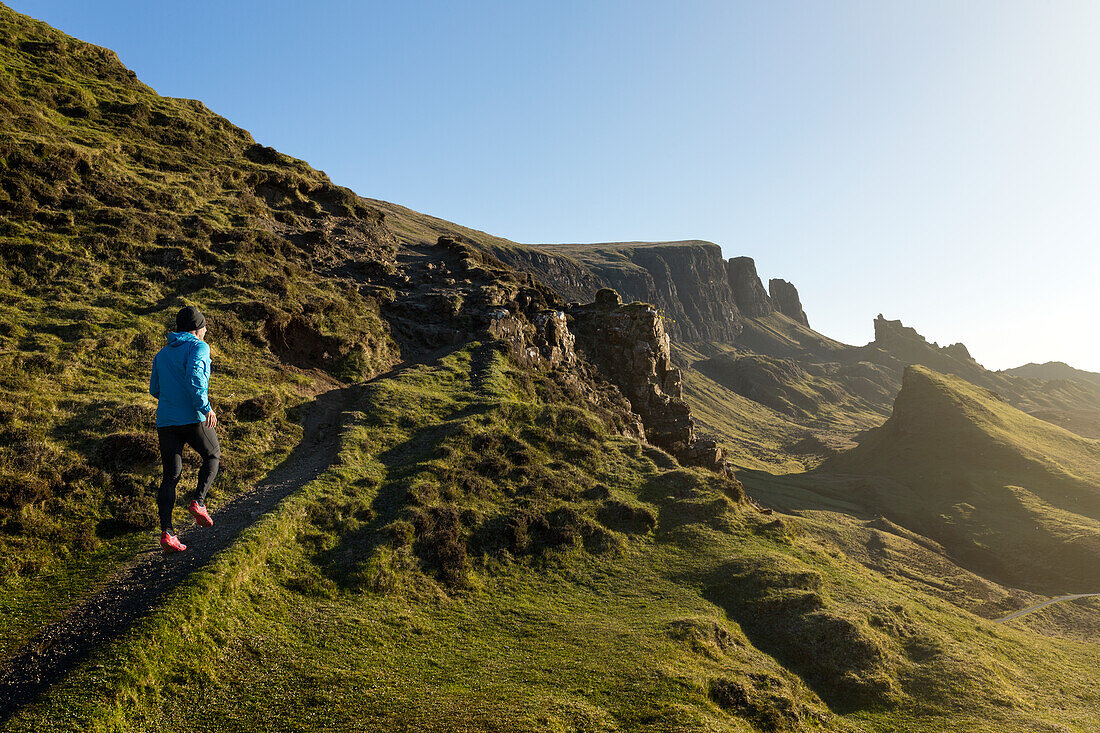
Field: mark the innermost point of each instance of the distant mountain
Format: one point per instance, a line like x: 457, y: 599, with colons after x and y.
x: 1052, y: 370
x: 799, y: 396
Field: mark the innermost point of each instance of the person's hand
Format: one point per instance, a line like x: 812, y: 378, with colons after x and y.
x: 211, y: 419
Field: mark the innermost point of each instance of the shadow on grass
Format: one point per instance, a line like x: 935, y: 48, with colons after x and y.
x: 139, y: 588
x: 404, y: 462
x: 783, y: 613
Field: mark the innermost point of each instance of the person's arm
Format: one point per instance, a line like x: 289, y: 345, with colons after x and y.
x: 154, y: 381
x: 198, y: 374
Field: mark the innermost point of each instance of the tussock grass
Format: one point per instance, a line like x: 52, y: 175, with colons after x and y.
x: 117, y: 207
x: 373, y: 600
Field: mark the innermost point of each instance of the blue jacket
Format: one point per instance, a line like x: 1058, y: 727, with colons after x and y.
x: 181, y: 375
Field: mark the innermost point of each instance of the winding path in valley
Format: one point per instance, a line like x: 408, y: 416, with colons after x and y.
x: 1044, y: 604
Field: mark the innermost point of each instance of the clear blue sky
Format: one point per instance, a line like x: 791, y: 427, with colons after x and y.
x: 936, y: 161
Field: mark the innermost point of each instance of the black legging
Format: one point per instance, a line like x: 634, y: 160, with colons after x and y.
x: 172, y: 439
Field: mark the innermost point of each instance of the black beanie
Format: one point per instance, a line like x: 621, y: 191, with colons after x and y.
x: 189, y: 319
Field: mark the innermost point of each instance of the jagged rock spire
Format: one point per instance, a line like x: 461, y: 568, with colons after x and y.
x: 785, y: 300
x: 748, y: 292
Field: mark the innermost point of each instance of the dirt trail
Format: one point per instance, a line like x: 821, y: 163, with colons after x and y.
x: 1044, y: 604
x: 138, y: 587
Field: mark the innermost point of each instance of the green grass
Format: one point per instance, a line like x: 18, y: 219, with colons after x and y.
x: 1018, y: 499
x: 117, y: 207
x: 345, y: 609
x: 778, y: 335
x: 758, y: 437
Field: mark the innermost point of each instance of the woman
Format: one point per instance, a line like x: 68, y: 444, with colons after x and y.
x: 180, y: 378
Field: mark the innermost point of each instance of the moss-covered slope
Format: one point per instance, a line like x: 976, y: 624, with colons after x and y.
x: 117, y: 206
x: 1017, y: 498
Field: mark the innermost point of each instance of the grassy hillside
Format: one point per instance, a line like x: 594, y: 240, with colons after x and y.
x: 118, y: 206
x: 1016, y: 498
x: 590, y: 585
x: 488, y: 552
x: 778, y: 335
x: 1076, y: 396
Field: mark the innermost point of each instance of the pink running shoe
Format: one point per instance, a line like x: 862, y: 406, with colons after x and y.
x: 198, y: 511
x: 171, y: 543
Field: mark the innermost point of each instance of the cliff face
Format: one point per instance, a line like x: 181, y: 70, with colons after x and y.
x: 571, y: 279
x: 685, y: 281
x: 701, y: 296
x: 747, y: 289
x: 785, y: 300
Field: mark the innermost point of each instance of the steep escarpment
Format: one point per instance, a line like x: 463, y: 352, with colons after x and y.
x: 701, y: 296
x: 686, y: 281
x: 747, y: 289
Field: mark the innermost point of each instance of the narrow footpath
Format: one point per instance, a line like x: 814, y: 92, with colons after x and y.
x: 139, y: 586
x: 1037, y: 606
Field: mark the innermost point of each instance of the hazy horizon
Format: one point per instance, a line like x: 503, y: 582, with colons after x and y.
x: 936, y: 163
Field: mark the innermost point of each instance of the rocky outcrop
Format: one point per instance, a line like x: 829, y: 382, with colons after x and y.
x: 629, y: 345
x: 785, y: 299
x: 748, y: 291
x: 904, y: 344
x: 542, y: 343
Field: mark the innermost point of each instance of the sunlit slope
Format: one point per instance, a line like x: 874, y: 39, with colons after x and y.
x: 488, y: 557
x: 774, y: 413
x: 757, y: 436
x: 117, y: 206
x: 1013, y: 496
x: 776, y: 334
